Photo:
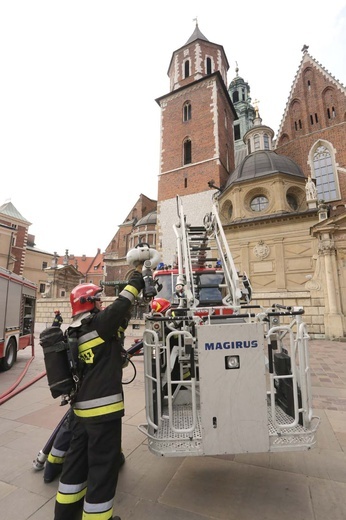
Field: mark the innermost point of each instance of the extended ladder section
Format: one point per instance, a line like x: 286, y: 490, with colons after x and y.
x: 220, y: 382
x: 193, y: 248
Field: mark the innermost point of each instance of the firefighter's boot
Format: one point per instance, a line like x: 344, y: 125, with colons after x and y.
x: 51, y: 471
x: 122, y: 459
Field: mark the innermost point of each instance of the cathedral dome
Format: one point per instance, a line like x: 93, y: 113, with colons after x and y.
x: 261, y: 164
x: 150, y: 218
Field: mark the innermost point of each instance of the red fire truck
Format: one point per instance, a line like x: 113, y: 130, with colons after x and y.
x: 17, y: 316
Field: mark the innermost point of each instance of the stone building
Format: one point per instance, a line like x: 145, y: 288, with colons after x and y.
x: 197, y: 143
x: 138, y: 226
x: 282, y: 203
x: 90, y: 267
x: 14, y: 237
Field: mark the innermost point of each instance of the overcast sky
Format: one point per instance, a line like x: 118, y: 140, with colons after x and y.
x: 79, y: 125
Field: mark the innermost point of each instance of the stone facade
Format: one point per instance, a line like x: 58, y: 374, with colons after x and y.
x: 45, y: 314
x: 293, y: 248
x: 129, y: 234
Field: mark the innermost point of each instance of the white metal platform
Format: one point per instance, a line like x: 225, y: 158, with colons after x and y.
x: 165, y: 441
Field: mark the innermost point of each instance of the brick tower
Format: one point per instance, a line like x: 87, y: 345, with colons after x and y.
x: 197, y: 144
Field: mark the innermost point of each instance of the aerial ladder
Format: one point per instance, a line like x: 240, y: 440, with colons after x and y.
x: 228, y: 379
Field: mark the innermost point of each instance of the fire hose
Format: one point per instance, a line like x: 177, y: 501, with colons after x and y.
x: 13, y: 390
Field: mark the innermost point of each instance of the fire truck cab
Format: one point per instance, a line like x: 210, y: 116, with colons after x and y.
x: 17, y: 316
x: 222, y: 374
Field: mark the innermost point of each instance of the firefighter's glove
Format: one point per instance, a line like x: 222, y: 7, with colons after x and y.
x: 136, y: 280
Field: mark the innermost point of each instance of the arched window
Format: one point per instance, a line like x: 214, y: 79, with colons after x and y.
x: 256, y: 141
x: 292, y: 201
x: 235, y: 96
x: 187, y: 111
x: 187, y: 69
x: 208, y: 67
x: 266, y: 141
x: 187, y: 151
x: 323, y: 168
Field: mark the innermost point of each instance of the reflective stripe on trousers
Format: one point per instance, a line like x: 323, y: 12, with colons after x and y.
x: 90, y: 472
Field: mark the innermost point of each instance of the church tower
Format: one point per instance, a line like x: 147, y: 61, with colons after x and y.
x: 197, y: 144
x: 239, y: 91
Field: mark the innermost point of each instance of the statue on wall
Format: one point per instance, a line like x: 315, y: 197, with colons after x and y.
x: 310, y: 189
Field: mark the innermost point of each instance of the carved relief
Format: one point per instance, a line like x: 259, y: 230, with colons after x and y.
x: 312, y: 284
x: 261, y: 250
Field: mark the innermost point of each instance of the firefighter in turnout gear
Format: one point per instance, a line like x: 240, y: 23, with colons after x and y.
x: 90, y: 472
x: 57, y: 319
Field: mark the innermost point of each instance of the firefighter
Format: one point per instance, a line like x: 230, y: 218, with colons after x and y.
x: 56, y: 457
x: 90, y: 471
x: 57, y: 319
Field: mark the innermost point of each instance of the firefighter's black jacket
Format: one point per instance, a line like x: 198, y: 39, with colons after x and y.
x: 100, y: 396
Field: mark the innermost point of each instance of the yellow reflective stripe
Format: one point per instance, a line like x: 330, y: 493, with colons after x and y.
x: 98, y: 516
x: 55, y: 460
x: 100, y: 410
x: 70, y: 498
x: 130, y: 293
x: 90, y: 344
x: 131, y: 289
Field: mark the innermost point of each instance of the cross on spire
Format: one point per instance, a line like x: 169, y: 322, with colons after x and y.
x: 256, y: 101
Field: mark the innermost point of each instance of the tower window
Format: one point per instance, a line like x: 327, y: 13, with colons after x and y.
x: 256, y: 141
x: 230, y: 211
x: 331, y: 114
x: 243, y: 94
x: 292, y: 201
x: 311, y: 119
x: 187, y: 111
x: 235, y: 96
x: 185, y: 182
x: 187, y: 152
x: 259, y: 203
x: 236, y: 132
x: 209, y: 69
x: 266, y: 141
x: 187, y: 69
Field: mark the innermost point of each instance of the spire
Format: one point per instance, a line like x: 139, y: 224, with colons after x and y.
x: 196, y: 35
